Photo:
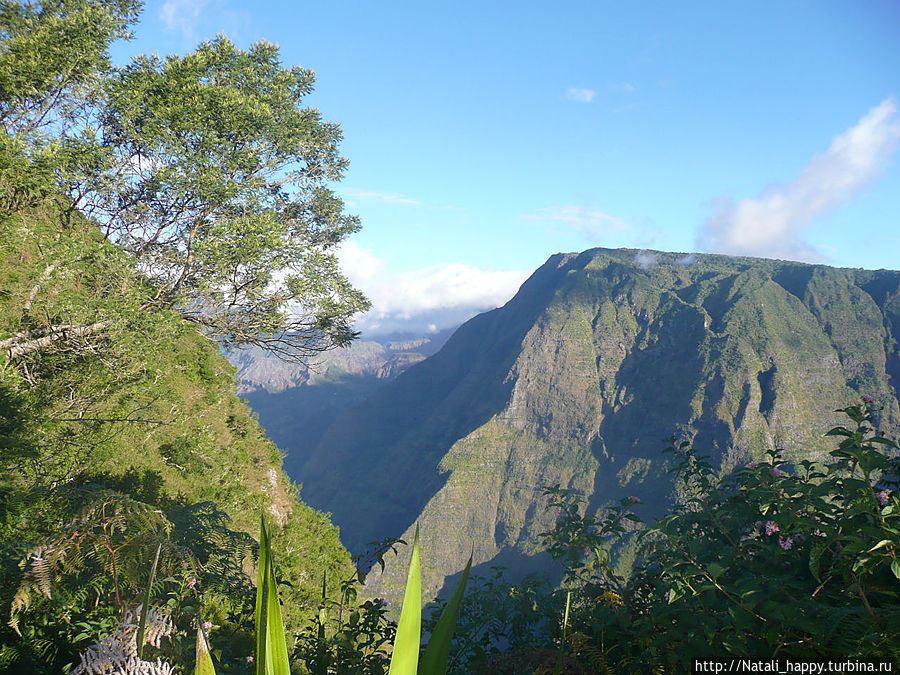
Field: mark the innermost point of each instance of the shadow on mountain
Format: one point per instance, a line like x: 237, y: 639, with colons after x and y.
x: 657, y: 382
x: 375, y: 466
x: 511, y: 566
x: 296, y: 419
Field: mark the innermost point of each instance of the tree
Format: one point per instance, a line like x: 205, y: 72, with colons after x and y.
x: 206, y: 168
x: 53, y: 56
x: 220, y: 194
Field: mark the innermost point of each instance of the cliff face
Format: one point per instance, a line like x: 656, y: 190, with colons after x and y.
x: 297, y: 403
x: 577, y: 380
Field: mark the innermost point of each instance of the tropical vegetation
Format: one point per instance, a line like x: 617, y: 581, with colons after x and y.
x: 153, y: 214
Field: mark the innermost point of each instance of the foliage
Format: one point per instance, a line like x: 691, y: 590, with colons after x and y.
x: 271, y: 647
x: 216, y: 184
x: 499, y: 621
x: 349, y: 635
x: 206, y: 168
x: 772, y: 560
x: 94, y: 571
x: 53, y: 58
x: 793, y: 561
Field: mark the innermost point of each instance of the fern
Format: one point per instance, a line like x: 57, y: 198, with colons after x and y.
x: 118, y: 651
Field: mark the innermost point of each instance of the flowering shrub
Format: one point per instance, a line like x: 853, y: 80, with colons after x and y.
x: 773, y: 560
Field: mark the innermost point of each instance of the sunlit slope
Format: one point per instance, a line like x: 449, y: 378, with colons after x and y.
x: 579, y: 378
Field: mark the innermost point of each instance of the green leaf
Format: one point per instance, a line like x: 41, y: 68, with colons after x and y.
x: 880, y: 544
x: 437, y: 653
x: 716, y: 570
x: 271, y: 647
x: 895, y: 568
x: 204, y: 664
x: 405, y: 658
x: 146, y: 606
x: 562, y: 642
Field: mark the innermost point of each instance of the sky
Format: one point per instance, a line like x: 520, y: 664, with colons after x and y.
x: 483, y: 137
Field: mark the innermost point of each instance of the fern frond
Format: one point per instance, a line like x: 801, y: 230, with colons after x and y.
x: 118, y: 651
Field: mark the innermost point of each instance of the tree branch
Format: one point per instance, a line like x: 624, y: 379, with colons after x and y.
x: 16, y: 347
x: 32, y: 294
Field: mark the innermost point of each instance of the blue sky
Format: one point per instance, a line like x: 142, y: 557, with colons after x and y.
x: 485, y: 136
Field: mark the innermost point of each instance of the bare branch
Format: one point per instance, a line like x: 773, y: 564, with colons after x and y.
x: 32, y: 294
x: 56, y: 333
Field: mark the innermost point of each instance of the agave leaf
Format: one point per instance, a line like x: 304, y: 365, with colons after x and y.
x: 142, y: 627
x: 271, y: 647
x: 204, y: 665
x: 405, y: 658
x: 562, y: 642
x: 437, y: 653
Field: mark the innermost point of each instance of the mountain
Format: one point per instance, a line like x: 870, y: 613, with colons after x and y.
x: 297, y: 403
x: 579, y: 378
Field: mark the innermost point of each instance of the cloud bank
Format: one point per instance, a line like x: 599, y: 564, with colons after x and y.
x: 772, y: 224
x: 427, y: 299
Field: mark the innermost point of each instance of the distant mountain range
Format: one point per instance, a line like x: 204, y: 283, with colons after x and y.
x: 576, y: 381
x: 296, y: 404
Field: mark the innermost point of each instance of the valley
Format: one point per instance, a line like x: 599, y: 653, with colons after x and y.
x: 577, y: 381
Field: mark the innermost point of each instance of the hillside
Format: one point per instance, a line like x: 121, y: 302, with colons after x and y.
x: 579, y: 378
x: 144, y: 408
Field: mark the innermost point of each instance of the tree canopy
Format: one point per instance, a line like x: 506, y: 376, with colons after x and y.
x: 206, y: 168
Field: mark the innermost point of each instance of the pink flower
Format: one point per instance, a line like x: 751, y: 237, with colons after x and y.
x: 192, y: 583
x: 775, y: 471
x: 635, y: 500
x: 798, y: 537
x: 249, y: 659
x: 207, y: 625
x: 752, y: 465
x: 883, y: 497
x: 867, y: 399
x: 785, y: 543
x: 771, y: 527
x: 587, y: 551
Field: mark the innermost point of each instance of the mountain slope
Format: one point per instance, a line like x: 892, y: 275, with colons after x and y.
x: 145, y: 407
x: 578, y: 379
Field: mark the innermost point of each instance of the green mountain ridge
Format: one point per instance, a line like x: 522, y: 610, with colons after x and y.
x: 577, y: 380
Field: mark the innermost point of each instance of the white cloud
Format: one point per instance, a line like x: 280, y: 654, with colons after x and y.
x: 580, y: 95
x: 771, y: 225
x: 182, y: 15
x: 625, y: 87
x: 427, y: 299
x: 387, y: 197
x: 687, y: 260
x: 588, y: 222
x: 645, y: 259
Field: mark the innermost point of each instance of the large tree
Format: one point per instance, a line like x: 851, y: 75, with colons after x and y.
x: 207, y: 168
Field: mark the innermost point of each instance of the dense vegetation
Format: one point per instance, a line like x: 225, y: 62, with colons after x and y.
x: 145, y: 213
x: 773, y: 560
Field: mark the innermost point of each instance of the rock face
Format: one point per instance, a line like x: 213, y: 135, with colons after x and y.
x: 296, y: 404
x: 577, y: 380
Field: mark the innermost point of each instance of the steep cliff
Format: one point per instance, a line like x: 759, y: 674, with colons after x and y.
x: 577, y: 380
